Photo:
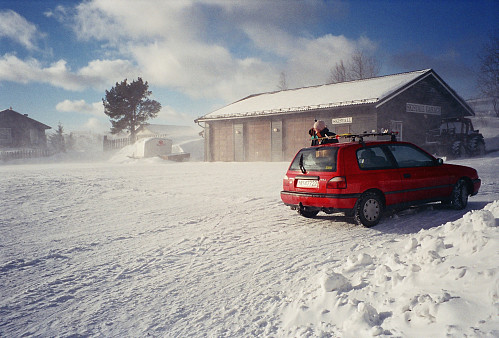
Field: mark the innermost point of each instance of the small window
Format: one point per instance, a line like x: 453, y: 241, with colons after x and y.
x: 316, y: 159
x: 5, y: 136
x: 407, y: 156
x: 372, y: 158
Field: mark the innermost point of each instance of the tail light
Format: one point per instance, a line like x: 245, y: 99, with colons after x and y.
x: 285, y: 181
x: 338, y: 182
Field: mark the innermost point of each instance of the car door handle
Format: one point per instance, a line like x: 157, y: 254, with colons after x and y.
x: 407, y: 175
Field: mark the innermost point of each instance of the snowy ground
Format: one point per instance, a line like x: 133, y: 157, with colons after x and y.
x: 155, y: 248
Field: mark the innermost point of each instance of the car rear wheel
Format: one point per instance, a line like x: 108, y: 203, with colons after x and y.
x: 368, y: 209
x: 459, y: 198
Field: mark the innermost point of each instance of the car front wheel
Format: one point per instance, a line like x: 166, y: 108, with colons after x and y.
x: 459, y: 198
x: 368, y: 209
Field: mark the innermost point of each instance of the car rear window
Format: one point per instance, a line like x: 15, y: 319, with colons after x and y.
x: 316, y: 159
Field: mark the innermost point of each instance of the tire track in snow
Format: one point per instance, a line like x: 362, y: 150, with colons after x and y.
x: 146, y: 252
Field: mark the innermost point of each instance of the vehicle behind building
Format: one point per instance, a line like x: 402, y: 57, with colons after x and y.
x: 456, y: 138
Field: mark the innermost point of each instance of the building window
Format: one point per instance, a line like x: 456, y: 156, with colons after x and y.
x: 33, y: 136
x: 5, y: 136
x: 342, y: 129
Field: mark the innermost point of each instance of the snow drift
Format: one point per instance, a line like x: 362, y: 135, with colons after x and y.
x: 422, y: 285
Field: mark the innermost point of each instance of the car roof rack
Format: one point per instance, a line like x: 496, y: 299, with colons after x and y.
x: 360, y: 137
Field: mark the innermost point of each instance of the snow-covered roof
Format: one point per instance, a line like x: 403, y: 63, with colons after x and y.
x: 374, y: 90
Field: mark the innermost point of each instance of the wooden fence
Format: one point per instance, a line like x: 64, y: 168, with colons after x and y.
x: 6, y: 155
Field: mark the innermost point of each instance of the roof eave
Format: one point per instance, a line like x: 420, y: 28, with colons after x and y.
x: 286, y: 111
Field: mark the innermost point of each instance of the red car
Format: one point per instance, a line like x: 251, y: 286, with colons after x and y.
x: 362, y: 179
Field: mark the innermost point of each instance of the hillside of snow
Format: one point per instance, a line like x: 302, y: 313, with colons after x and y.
x: 156, y: 248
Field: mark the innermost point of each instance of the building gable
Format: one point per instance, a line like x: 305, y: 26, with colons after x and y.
x: 18, y: 130
x: 9, y: 117
x: 430, y: 76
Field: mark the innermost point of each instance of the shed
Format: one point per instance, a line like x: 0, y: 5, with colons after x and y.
x: 272, y: 126
x: 20, y: 131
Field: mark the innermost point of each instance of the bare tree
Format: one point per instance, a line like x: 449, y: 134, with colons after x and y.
x: 338, y: 73
x: 488, y: 76
x: 361, y: 66
x: 283, y: 85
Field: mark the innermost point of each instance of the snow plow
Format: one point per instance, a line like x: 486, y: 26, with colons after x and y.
x: 177, y: 157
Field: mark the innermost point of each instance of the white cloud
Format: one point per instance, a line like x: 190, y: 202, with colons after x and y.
x: 114, y: 20
x: 179, y: 46
x: 192, y: 46
x: 95, y: 125
x: 201, y: 70
x: 313, y: 59
x: 98, y: 74
x: 23, y: 71
x: 80, y: 106
x: 15, y: 27
x: 168, y: 115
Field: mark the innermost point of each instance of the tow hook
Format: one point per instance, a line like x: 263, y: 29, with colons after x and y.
x: 300, y: 208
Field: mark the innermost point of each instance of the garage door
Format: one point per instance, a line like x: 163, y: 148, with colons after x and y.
x: 295, y: 135
x: 222, y: 142
x: 258, y: 144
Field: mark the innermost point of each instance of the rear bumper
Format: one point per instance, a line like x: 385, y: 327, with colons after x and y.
x: 476, y: 186
x: 339, y: 202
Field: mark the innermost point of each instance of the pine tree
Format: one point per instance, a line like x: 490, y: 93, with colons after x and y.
x: 128, y: 106
x: 57, y: 140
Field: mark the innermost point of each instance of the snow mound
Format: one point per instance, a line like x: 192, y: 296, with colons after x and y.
x: 441, y: 281
x: 127, y: 154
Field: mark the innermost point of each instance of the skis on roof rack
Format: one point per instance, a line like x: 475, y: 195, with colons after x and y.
x: 360, y: 137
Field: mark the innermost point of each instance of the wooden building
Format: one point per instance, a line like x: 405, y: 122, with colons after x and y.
x: 20, y: 131
x: 273, y: 126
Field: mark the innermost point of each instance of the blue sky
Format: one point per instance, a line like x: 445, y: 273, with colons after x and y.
x: 57, y: 58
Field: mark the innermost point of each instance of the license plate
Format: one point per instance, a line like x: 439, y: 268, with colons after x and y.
x: 307, y: 184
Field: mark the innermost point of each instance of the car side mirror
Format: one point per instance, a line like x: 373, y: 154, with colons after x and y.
x: 440, y: 161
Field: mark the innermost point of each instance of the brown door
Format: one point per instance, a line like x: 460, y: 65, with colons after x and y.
x: 222, y: 142
x: 295, y: 135
x: 258, y: 141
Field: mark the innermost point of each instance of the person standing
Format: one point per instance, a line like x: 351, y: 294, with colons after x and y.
x: 322, y: 135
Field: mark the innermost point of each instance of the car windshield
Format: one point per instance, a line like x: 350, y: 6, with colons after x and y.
x: 315, y: 159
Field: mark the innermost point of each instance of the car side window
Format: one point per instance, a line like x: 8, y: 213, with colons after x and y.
x: 407, y: 156
x: 372, y: 158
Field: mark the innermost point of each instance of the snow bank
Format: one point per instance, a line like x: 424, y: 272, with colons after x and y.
x: 442, y: 281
